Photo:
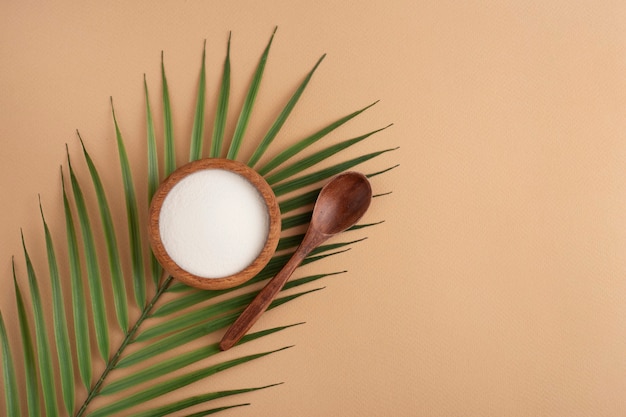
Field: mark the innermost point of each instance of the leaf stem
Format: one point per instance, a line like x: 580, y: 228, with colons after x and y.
x: 93, y: 392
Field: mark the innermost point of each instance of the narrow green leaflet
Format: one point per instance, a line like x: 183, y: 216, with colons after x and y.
x: 195, y: 317
x: 93, y: 271
x: 296, y: 220
x: 246, y: 110
x: 195, y: 151
x: 193, y: 333
x: 364, y: 225
x: 222, y: 108
x: 282, y: 117
x: 79, y: 307
x: 153, y: 161
x: 202, y: 315
x: 308, y: 141
x: 185, y: 301
x: 153, y: 172
x: 199, y: 316
x: 195, y: 297
x: 168, y: 127
x: 309, y: 197
x: 297, y: 183
x: 215, y: 410
x: 382, y: 171
x: 299, y: 201
x: 64, y: 354
x: 43, y: 343
x: 11, y: 396
x: 289, y: 242
x: 175, y: 383
x: 132, y: 213
x: 316, y: 158
x: 175, y: 363
x: 115, y: 265
x: 195, y: 400
x: 32, y: 388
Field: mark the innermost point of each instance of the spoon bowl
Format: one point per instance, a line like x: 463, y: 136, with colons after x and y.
x: 340, y: 204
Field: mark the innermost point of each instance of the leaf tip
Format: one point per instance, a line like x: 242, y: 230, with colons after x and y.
x: 80, y: 139
x: 271, y: 38
x: 112, y: 106
x: 40, y: 207
x: 62, y: 178
x: 319, y: 61
x: 14, y: 274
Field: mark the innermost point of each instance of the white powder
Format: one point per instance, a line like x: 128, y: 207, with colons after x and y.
x: 213, y: 223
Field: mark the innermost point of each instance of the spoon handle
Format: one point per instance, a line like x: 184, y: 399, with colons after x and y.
x: 264, y: 298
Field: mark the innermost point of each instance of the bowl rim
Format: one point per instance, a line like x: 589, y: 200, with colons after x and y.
x: 269, y: 248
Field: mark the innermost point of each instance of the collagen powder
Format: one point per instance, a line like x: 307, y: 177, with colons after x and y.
x: 213, y: 223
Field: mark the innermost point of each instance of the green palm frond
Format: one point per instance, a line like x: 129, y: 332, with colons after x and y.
x: 186, y: 314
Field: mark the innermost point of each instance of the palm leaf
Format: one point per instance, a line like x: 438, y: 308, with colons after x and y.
x: 195, y: 152
x: 195, y: 400
x: 168, y: 127
x: 115, y: 265
x: 306, y: 180
x: 61, y: 333
x: 177, y: 362
x: 215, y: 410
x: 93, y: 270
x: 316, y: 158
x: 79, y: 303
x: 222, y: 108
x: 193, y: 333
x: 11, y: 395
x: 132, y: 213
x: 308, y: 141
x: 43, y: 342
x: 153, y: 170
x: 246, y: 110
x: 30, y: 371
x: 162, y: 388
x: 189, y: 314
x: 282, y: 117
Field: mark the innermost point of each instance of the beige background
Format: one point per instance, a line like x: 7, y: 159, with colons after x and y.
x: 496, y: 286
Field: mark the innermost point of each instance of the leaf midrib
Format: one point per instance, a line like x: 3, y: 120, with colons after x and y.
x: 112, y: 362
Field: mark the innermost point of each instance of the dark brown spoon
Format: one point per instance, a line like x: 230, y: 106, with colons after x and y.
x: 340, y: 204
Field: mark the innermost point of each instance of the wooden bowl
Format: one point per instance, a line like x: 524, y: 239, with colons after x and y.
x: 253, y: 268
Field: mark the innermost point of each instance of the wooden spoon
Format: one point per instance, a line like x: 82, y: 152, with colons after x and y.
x: 340, y: 204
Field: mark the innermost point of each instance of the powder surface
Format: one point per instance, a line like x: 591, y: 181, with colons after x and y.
x: 213, y: 223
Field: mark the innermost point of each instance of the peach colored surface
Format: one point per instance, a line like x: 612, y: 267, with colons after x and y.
x: 497, y: 284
